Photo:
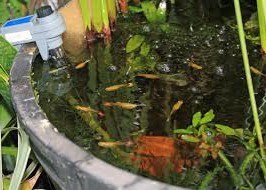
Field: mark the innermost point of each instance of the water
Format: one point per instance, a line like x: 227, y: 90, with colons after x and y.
x: 220, y: 86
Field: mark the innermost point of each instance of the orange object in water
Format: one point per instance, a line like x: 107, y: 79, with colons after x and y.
x: 159, y: 155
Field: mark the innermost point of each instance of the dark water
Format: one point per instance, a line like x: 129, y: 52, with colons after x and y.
x: 220, y: 86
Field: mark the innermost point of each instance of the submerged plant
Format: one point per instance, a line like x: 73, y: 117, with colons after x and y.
x: 211, y: 138
x: 153, y: 15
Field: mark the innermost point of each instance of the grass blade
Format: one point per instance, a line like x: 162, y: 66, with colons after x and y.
x: 22, y: 159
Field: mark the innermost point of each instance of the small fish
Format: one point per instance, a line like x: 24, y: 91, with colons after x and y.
x: 88, y: 109
x: 81, y: 65
x: 176, y: 107
x: 115, y: 144
x: 195, y: 66
x: 121, y: 105
x: 148, y: 76
x: 116, y: 87
x: 256, y: 71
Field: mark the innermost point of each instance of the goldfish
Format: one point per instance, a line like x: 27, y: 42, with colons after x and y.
x: 115, y: 144
x: 176, y: 107
x: 256, y: 71
x: 121, y: 105
x: 118, y: 86
x: 88, y: 109
x: 148, y: 76
x: 81, y: 65
x: 195, y: 66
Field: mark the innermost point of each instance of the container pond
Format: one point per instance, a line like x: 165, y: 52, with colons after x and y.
x: 156, y: 101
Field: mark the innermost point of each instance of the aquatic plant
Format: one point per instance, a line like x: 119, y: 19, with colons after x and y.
x: 248, y: 77
x: 211, y: 138
x: 99, y: 18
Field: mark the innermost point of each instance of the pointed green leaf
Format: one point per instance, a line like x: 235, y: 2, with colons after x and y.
x: 134, y: 43
x: 190, y: 138
x: 201, y: 129
x: 149, y: 10
x: 183, y: 131
x: 208, y: 117
x: 239, y: 132
x: 225, y: 129
x: 196, y: 119
x: 144, y: 49
x: 135, y: 9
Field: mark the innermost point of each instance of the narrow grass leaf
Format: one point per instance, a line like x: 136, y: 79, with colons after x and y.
x: 22, y: 159
x: 5, y: 115
x: 30, y: 169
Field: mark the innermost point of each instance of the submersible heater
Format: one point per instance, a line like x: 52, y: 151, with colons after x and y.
x: 45, y: 28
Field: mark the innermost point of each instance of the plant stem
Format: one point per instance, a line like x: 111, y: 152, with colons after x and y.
x: 262, y: 166
x: 93, y: 124
x: 261, y: 7
x: 208, y: 178
x: 229, y: 167
x: 248, y: 76
x: 88, y: 118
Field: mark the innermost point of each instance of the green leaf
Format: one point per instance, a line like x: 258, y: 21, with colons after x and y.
x: 7, y: 54
x: 208, y: 117
x: 135, y: 9
x: 190, y: 138
x: 165, y: 27
x: 144, y: 49
x: 134, y: 43
x: 5, y: 15
x: 183, y: 131
x: 86, y: 13
x: 6, y: 183
x: 5, y: 115
x: 22, y: 159
x: 239, y: 132
x: 225, y: 129
x: 149, y: 10
x: 196, y: 119
x: 161, y: 12
x: 201, y: 129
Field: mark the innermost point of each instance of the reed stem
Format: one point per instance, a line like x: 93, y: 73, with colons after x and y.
x: 229, y: 167
x: 248, y: 77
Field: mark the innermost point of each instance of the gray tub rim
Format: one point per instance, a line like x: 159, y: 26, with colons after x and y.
x: 66, y: 163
